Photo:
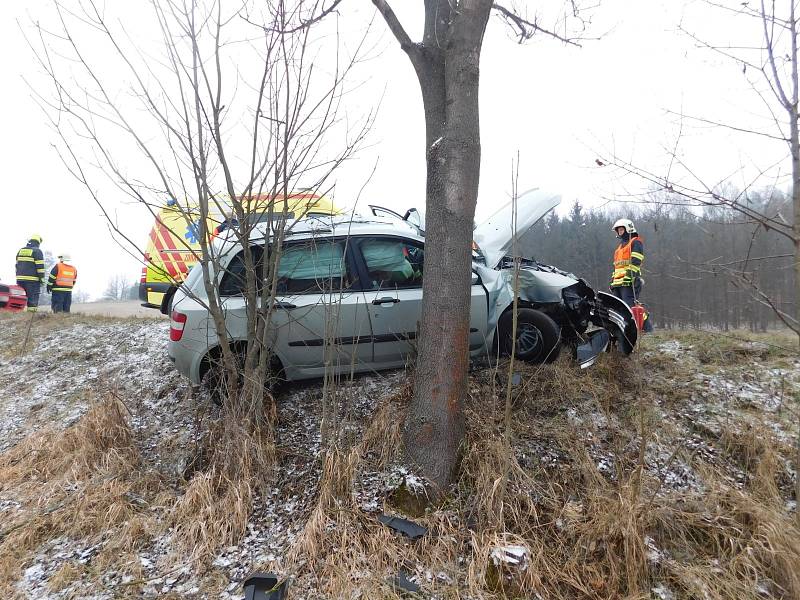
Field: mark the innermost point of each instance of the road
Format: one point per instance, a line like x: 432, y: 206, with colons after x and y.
x: 128, y: 308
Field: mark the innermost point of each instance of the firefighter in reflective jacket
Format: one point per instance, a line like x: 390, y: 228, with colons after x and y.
x: 60, y: 283
x: 626, y: 280
x: 30, y: 270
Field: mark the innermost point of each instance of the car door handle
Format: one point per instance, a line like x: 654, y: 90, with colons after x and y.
x: 386, y: 300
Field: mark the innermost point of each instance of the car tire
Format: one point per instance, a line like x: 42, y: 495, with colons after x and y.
x: 213, y: 380
x: 538, y: 336
x: 214, y: 377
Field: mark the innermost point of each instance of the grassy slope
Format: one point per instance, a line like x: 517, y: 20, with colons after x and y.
x: 668, y: 475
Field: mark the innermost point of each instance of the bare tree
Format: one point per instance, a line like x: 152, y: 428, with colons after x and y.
x: 225, y: 119
x: 446, y: 62
x: 771, y: 69
x: 117, y: 288
x: 214, y: 132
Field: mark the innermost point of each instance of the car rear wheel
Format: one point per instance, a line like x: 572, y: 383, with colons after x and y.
x: 538, y: 337
x: 214, y: 380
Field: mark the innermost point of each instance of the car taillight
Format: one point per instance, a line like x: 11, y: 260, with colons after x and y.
x: 176, y: 325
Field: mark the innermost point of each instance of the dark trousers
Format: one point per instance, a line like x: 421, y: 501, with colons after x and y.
x: 61, y: 301
x: 32, y: 291
x: 625, y: 293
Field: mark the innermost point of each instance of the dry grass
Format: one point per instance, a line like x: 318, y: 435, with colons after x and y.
x: 238, y: 455
x: 82, y: 482
x: 590, y: 532
x: 383, y: 436
x: 582, y: 483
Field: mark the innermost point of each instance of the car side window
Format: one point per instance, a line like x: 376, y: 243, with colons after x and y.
x: 393, y: 263
x: 314, y: 266
x: 234, y: 275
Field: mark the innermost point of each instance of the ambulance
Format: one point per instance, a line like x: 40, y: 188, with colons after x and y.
x: 173, y: 246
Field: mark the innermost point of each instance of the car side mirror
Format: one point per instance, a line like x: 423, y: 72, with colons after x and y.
x: 166, y: 301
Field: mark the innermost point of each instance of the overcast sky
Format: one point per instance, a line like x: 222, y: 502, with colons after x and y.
x: 557, y: 105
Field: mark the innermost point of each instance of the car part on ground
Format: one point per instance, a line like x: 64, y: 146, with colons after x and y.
x: 264, y: 586
x: 410, y: 529
x: 586, y: 354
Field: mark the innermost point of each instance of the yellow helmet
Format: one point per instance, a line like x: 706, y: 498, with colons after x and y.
x: 36, y: 238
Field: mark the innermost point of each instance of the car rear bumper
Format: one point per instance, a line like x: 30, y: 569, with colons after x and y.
x: 186, y: 360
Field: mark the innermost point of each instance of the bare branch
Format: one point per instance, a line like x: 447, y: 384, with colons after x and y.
x: 527, y: 29
x: 771, y: 58
x: 726, y: 126
x: 395, y: 26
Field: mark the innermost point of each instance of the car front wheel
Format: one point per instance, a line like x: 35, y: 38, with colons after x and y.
x: 538, y: 337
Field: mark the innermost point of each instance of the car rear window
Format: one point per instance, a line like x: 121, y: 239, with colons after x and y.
x: 234, y: 279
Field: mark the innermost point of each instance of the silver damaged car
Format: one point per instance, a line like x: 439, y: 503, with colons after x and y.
x: 358, y: 279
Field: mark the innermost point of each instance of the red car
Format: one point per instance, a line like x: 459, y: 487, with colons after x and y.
x: 12, y: 298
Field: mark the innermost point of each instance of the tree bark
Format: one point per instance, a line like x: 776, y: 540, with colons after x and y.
x: 794, y: 147
x: 448, y: 74
x: 795, y: 150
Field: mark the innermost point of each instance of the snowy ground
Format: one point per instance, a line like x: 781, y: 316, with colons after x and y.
x: 76, y: 359
x: 698, y: 397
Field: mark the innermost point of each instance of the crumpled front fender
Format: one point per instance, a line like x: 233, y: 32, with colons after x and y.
x: 613, y: 315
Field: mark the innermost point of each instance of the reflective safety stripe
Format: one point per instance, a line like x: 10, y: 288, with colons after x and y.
x: 61, y: 289
x: 27, y: 278
x: 624, y: 268
x: 26, y: 259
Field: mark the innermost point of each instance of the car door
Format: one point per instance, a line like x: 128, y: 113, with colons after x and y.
x: 320, y: 318
x: 394, y: 273
x: 393, y: 291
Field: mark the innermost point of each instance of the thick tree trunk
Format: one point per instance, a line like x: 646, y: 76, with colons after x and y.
x: 795, y: 148
x: 449, y: 79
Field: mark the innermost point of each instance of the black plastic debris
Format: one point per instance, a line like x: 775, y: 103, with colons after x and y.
x: 586, y: 354
x: 404, y: 526
x: 264, y: 586
x: 403, y: 584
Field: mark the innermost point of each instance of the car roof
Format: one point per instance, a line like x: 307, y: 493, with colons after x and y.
x: 342, y: 225
x: 315, y: 226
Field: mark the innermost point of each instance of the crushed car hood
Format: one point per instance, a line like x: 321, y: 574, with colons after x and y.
x: 494, y: 236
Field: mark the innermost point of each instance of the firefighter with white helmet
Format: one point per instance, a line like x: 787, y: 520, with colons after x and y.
x: 626, y: 279
x: 30, y: 270
x: 60, y: 283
